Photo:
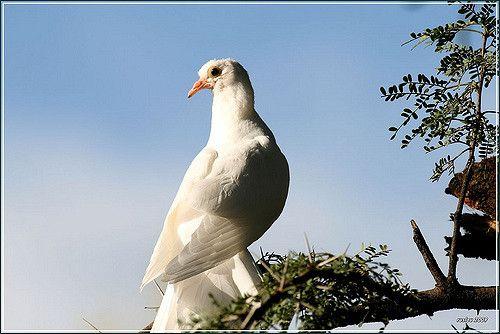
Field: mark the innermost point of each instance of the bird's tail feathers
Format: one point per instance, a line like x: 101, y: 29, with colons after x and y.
x: 233, y: 278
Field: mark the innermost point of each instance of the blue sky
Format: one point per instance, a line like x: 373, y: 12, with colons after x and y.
x: 98, y: 134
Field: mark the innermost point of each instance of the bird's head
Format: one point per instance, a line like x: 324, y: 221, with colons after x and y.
x: 220, y: 74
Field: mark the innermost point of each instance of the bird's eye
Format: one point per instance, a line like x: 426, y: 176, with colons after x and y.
x: 215, y: 72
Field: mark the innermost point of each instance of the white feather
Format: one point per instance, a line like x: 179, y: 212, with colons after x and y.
x: 235, y: 277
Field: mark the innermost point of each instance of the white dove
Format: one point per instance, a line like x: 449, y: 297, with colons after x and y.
x: 232, y: 192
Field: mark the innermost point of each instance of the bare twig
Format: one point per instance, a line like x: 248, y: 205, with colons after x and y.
x: 429, y: 259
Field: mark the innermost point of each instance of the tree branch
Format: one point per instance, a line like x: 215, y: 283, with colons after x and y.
x: 428, y: 302
x: 457, y: 216
x: 442, y: 297
x: 429, y: 259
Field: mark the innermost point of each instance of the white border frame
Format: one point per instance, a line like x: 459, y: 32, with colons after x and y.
x: 4, y: 3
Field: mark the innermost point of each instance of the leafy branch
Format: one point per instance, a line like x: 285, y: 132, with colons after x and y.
x: 321, y: 288
x: 326, y: 291
x: 449, y: 102
x: 452, y: 103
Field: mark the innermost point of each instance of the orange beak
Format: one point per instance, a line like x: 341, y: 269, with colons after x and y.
x: 199, y: 85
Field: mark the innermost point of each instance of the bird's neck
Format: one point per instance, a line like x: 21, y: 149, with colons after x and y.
x: 231, y: 106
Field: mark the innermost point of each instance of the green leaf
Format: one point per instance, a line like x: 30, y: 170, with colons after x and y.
x: 448, y: 98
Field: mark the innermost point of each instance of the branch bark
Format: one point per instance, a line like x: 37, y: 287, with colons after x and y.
x: 442, y: 297
x: 428, y: 302
x: 429, y: 259
x: 457, y: 216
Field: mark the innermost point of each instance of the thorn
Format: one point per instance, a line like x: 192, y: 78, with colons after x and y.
x: 282, y: 283
x: 276, y: 277
x: 91, y: 325
x: 347, y: 248
x: 308, y: 248
x: 249, y: 316
x: 332, y: 258
x: 148, y: 328
x: 256, y: 256
x: 158, y: 287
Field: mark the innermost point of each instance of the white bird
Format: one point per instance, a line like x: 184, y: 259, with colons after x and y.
x: 232, y: 192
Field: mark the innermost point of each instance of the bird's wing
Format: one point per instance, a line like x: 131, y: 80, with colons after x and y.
x: 169, y: 243
x: 215, y: 240
x: 235, y: 197
x: 239, y: 182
